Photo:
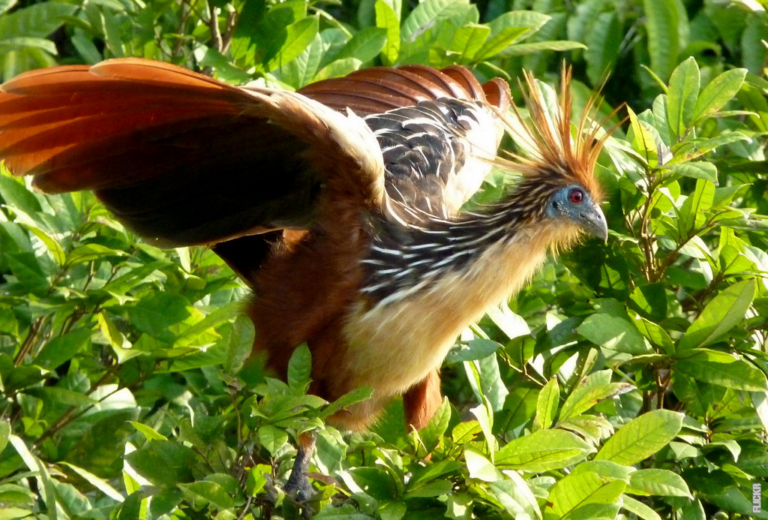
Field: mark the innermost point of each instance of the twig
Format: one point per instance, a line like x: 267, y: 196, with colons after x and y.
x: 213, y: 24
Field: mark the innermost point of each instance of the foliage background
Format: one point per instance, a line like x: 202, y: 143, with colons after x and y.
x: 627, y: 381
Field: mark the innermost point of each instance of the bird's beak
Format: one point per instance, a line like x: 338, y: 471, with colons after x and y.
x: 593, y: 222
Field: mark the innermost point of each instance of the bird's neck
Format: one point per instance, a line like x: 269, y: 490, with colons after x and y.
x: 403, y: 261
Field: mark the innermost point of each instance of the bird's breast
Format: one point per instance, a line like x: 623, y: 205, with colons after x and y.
x: 394, y: 345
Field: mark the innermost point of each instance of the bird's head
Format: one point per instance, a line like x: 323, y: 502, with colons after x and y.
x: 557, y: 158
x: 576, y: 205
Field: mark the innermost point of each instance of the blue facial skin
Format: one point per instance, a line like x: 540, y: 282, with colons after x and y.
x: 574, y: 203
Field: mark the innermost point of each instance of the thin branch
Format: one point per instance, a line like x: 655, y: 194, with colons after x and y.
x: 213, y: 25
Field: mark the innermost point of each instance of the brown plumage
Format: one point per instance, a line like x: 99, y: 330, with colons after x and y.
x: 339, y: 205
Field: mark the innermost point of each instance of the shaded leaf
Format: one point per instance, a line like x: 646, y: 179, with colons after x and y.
x: 719, y: 316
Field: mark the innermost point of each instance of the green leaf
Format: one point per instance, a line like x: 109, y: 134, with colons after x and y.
x: 91, y: 252
x: 523, y: 49
x: 355, y: 396
x: 364, y: 45
x: 498, y: 42
x: 28, y: 272
x: 5, y: 434
x: 89, y: 53
x: 484, y: 415
x: 516, y: 496
x: 57, y: 395
x: 640, y: 509
x: 468, y: 40
x: 57, y: 252
x: 614, y: 333
x: 530, y: 20
x: 155, y: 313
x: 299, y: 37
x: 207, y: 492
x: 592, y: 427
x: 62, y: 348
x: 100, y: 484
x: 661, y: 19
x: 655, y: 334
x: 149, y: 433
x: 605, y: 469
x: 641, y: 437
x: 424, y: 475
x: 300, y: 369
x: 696, y: 170
x: 486, y: 380
x: 720, y: 315
x: 692, y: 212
x: 375, y: 482
x: 272, y: 438
x: 9, y: 325
x: 510, y: 323
x: 721, y: 369
x: 15, y: 194
x: 693, y: 148
x: 603, y: 43
x: 432, y: 434
x: 5, y: 5
x: 435, y: 488
x: 717, y: 93
x: 42, y: 475
x: 225, y: 71
x: 594, y: 388
x: 576, y: 491
x: 474, y: 349
x: 543, y: 450
x: 424, y: 14
x: 300, y: 71
x: 240, y: 344
x: 651, y: 299
x: 658, y: 482
x: 681, y: 99
x: 246, y: 31
x: 387, y: 19
x: 547, y: 403
x: 338, y: 68
x: 164, y: 463
x: 480, y: 468
x: 22, y: 42
x: 643, y: 139
x: 35, y: 21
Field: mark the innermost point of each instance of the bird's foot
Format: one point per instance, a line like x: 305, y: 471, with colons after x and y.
x: 298, y: 486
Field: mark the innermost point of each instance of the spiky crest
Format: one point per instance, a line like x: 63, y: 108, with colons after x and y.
x: 546, y: 140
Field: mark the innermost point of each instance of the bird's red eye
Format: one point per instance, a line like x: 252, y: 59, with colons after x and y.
x: 576, y: 196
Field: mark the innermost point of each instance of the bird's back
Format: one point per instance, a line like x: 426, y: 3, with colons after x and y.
x: 436, y: 153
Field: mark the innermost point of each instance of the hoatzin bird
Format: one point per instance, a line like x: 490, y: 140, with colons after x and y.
x: 340, y: 205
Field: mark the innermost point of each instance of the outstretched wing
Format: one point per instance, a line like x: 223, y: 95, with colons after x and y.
x: 183, y: 159
x: 178, y: 157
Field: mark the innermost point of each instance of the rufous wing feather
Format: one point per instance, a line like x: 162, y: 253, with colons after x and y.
x: 184, y: 159
x: 179, y: 157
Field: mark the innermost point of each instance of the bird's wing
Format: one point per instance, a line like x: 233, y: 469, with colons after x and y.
x: 380, y: 89
x: 183, y: 159
x: 438, y: 131
x: 179, y: 157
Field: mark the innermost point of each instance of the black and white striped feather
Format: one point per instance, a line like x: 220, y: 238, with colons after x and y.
x: 436, y: 155
x: 406, y: 259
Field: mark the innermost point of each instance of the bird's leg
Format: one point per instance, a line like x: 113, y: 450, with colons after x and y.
x: 422, y: 400
x: 298, y: 482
